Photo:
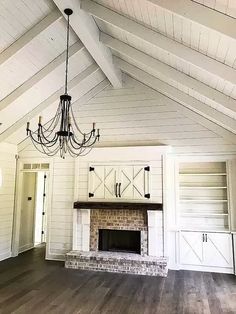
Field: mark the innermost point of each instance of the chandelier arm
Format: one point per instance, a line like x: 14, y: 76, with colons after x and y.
x: 89, y: 138
x: 72, y: 142
x: 75, y: 123
x: 49, y: 152
x: 83, y: 144
x: 84, y: 141
x: 80, y: 153
x: 54, y: 121
x: 43, y: 150
x: 79, y: 140
x: 71, y: 152
x: 48, y: 141
x: 92, y: 143
x: 87, y: 152
x: 31, y: 134
x: 33, y: 138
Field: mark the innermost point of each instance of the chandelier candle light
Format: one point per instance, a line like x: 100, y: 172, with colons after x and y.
x: 59, y: 135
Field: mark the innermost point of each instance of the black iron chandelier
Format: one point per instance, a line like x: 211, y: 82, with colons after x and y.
x: 58, y: 135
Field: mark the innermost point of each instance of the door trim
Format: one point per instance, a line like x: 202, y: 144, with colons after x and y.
x: 18, y: 198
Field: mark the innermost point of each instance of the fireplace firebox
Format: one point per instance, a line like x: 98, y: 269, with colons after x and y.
x: 119, y: 241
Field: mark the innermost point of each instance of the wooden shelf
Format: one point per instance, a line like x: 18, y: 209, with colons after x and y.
x: 202, y: 187
x: 203, y: 174
x: 118, y: 205
x: 202, y: 214
x: 202, y: 201
x: 221, y: 230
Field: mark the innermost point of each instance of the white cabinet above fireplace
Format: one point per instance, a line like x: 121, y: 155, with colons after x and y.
x: 119, y: 181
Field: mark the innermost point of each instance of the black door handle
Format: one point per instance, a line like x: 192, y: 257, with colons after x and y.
x: 119, y: 190
x: 206, y: 237
x: 116, y: 186
x: 203, y: 237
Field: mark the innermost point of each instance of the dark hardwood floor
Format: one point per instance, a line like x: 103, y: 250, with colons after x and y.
x: 29, y: 284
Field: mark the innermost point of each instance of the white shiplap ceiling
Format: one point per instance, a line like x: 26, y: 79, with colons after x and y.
x: 227, y: 7
x: 193, y: 59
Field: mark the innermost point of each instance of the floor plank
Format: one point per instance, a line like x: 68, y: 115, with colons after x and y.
x: 29, y: 284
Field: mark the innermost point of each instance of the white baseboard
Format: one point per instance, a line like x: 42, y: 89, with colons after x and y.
x: 55, y: 257
x: 25, y: 248
x: 173, y: 267
x: 5, y: 255
x: 223, y: 270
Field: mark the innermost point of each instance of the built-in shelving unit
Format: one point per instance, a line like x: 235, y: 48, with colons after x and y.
x: 203, y: 196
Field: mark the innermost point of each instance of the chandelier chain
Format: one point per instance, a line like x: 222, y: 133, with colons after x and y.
x: 67, y: 54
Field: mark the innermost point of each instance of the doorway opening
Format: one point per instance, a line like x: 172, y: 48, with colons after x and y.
x: 33, y: 218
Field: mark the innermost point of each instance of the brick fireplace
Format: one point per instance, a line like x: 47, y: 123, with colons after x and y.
x: 113, y: 219
x: 95, y: 248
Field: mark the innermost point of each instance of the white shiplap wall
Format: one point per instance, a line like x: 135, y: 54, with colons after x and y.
x: 132, y: 116
x: 137, y: 115
x: 60, y: 232
x: 60, y: 201
x: 7, y: 167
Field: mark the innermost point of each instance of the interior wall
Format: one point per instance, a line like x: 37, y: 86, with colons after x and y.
x: 131, y: 116
x: 138, y: 115
x: 7, y: 189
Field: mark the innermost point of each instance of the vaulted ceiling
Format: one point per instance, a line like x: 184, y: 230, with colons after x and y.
x: 183, y: 49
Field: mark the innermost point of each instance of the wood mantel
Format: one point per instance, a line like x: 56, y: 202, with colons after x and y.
x: 118, y: 205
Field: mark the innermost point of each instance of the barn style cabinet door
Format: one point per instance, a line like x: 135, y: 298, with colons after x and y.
x: 218, y: 250
x: 96, y: 182
x: 206, y: 249
x: 123, y: 182
x: 191, y: 248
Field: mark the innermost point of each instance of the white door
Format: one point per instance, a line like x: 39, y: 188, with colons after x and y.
x: 218, y: 251
x: 191, y: 248
x: 26, y: 239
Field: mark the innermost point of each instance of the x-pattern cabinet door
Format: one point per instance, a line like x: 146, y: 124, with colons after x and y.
x: 218, y: 250
x: 96, y: 182
x: 110, y: 182
x: 209, y: 249
x: 134, y: 182
x: 124, y: 182
x: 191, y: 248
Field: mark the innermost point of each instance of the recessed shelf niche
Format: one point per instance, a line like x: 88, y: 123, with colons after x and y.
x: 203, y: 196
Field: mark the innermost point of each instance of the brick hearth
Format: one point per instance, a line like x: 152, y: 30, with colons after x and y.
x: 117, y: 262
